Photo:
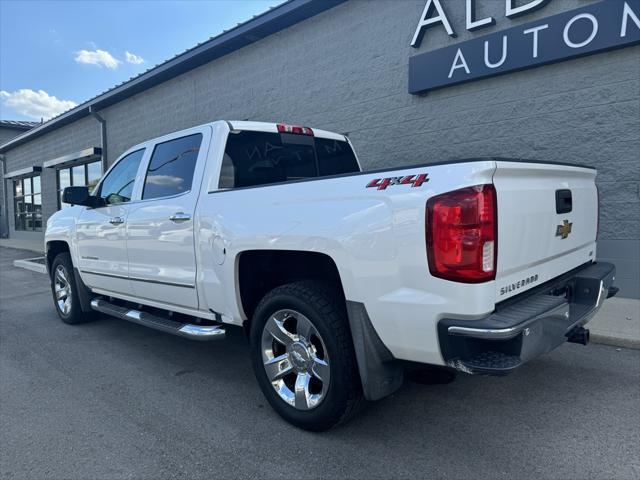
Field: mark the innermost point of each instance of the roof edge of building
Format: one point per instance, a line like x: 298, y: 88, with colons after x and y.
x: 261, y: 26
x: 18, y: 124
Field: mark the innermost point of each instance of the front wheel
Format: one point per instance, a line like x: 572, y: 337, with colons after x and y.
x: 303, y: 356
x: 65, y: 290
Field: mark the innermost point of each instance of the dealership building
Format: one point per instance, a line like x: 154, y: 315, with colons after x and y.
x: 409, y: 81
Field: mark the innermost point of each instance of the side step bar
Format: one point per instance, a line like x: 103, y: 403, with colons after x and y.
x: 187, y: 330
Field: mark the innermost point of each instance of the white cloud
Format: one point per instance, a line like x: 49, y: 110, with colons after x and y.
x: 132, y: 58
x: 34, y: 104
x: 97, y: 57
x: 165, y: 180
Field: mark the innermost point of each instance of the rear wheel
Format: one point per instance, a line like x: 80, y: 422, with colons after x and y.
x: 303, y: 355
x: 65, y: 290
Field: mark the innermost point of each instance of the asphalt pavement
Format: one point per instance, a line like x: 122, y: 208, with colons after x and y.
x: 113, y: 400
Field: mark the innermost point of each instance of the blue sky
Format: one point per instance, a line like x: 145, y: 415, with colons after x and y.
x: 55, y: 54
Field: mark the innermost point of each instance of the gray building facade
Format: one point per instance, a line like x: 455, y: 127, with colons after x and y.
x: 8, y: 130
x: 344, y: 66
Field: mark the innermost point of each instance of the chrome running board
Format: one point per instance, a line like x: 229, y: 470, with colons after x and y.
x: 187, y: 330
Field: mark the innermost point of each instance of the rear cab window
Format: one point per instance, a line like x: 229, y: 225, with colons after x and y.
x: 255, y: 158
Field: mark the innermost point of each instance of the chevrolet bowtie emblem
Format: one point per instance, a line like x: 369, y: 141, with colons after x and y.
x: 564, y: 230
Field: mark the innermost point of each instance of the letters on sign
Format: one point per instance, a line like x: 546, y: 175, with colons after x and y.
x: 434, y: 14
x: 594, y: 28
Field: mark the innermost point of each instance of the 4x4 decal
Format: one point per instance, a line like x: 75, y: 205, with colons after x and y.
x: 413, y: 180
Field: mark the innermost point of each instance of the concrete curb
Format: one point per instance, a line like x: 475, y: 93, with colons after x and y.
x: 30, y: 264
x: 617, y: 323
x: 615, y: 341
x: 30, y: 245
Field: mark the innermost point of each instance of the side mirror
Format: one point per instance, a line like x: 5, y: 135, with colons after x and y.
x: 79, y: 196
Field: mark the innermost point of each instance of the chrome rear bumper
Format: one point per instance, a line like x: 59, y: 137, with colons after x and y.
x: 528, y: 325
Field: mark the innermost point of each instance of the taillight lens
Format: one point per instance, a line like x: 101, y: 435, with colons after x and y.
x: 294, y: 129
x: 462, y: 238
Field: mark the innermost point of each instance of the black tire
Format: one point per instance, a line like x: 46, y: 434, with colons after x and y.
x: 74, y: 315
x: 326, y: 310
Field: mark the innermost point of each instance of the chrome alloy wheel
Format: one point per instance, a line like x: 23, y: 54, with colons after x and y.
x: 63, y: 290
x: 295, y: 359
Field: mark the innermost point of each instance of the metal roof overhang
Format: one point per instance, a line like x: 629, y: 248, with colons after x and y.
x: 23, y: 172
x: 259, y: 27
x: 16, y: 125
x: 81, y: 156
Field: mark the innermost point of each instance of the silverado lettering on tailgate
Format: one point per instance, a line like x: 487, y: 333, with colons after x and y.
x: 519, y: 284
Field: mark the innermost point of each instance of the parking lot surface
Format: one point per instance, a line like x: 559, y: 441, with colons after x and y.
x: 112, y: 400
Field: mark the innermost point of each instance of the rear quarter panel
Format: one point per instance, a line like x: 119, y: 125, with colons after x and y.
x: 375, y: 237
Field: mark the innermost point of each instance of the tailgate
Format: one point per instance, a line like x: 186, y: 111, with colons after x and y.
x: 535, y: 242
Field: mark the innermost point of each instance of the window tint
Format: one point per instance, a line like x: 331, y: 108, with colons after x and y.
x: 335, y: 157
x: 117, y: 186
x: 261, y: 158
x: 171, y: 168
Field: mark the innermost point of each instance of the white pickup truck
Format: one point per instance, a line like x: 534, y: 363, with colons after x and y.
x: 339, y: 277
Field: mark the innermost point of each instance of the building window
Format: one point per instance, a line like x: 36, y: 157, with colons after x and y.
x: 27, y: 204
x: 87, y: 175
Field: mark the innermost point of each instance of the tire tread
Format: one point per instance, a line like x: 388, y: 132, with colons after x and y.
x: 330, y: 304
x: 77, y: 315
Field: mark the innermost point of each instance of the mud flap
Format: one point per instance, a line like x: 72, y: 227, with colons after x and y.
x: 380, y: 373
x: 84, y: 294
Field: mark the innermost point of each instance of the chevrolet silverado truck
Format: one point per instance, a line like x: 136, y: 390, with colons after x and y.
x: 340, y: 277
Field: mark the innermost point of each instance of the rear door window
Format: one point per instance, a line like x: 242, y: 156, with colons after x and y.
x: 171, y: 168
x: 262, y: 158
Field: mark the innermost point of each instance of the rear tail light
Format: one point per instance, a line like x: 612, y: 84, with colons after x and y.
x: 462, y: 239
x: 294, y: 129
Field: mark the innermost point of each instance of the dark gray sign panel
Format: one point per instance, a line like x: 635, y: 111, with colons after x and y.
x: 595, y: 28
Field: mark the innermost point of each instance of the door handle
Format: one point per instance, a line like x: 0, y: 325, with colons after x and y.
x: 180, y: 217
x: 116, y: 221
